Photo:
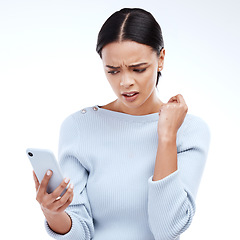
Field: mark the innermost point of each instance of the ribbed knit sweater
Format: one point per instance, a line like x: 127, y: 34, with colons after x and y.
x: 110, y: 157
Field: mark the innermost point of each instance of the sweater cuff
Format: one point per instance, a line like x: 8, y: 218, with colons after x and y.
x: 170, y: 207
x: 164, y: 180
x: 72, y: 234
x: 168, y: 189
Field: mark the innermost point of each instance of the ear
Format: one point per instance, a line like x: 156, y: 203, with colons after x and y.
x: 161, y: 60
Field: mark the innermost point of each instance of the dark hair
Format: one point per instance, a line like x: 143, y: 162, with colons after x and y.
x: 134, y: 24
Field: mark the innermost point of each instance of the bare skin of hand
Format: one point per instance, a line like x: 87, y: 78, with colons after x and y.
x: 52, y: 205
x: 171, y: 116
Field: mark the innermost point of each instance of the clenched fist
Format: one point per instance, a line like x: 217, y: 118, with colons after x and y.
x: 171, y: 116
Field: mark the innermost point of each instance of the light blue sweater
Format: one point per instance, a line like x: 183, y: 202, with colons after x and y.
x: 110, y: 157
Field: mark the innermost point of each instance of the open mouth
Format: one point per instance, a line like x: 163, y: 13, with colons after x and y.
x: 130, y: 97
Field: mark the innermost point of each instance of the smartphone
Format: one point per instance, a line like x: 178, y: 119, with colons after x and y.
x: 43, y: 160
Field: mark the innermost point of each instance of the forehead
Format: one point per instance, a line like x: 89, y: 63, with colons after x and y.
x: 126, y: 53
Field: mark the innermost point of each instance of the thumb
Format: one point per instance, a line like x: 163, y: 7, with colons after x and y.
x: 173, y: 99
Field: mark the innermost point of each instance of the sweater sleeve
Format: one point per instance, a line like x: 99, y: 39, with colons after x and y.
x: 171, y: 201
x: 70, y: 163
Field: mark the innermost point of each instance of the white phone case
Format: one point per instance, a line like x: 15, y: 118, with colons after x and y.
x: 43, y: 160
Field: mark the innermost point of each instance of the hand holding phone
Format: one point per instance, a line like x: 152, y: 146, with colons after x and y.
x: 43, y: 160
x: 48, y: 195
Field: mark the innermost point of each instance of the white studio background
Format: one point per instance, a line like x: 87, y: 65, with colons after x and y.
x: 49, y: 69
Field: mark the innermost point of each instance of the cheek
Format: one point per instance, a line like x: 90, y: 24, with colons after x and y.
x: 150, y: 78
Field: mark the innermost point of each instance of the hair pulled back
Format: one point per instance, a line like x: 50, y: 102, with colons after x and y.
x: 134, y: 24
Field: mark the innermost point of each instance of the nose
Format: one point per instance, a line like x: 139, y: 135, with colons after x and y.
x: 126, y: 80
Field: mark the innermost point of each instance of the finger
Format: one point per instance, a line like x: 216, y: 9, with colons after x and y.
x: 183, y: 103
x: 43, y: 185
x: 61, y: 209
x: 62, y: 202
x: 173, y: 99
x: 65, y: 200
x: 57, y: 192
x: 180, y: 99
x: 37, y: 184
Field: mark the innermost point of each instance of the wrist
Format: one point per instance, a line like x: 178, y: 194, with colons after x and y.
x: 60, y: 223
x: 167, y: 137
x: 52, y: 215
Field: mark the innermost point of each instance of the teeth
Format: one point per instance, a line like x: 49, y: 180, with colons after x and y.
x: 129, y: 95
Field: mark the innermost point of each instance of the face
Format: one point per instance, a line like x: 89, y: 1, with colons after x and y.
x: 132, y: 67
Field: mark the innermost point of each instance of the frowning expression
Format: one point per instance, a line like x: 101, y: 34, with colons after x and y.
x: 131, y: 67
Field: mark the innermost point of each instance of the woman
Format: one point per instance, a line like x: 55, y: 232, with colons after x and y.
x: 135, y: 163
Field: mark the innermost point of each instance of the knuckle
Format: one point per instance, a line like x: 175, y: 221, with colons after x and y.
x: 38, y: 199
x: 70, y: 190
x: 54, y: 195
x: 71, y: 196
x: 185, y: 107
x: 68, y: 202
x: 63, y: 185
x: 165, y: 106
x: 61, y: 201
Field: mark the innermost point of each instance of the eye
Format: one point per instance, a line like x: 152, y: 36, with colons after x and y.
x: 139, y: 70
x: 113, y: 72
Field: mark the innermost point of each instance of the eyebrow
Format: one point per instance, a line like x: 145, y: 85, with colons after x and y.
x: 133, y: 65
x: 137, y: 65
x: 112, y: 67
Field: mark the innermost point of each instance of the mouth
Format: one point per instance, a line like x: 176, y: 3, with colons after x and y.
x: 131, y: 96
